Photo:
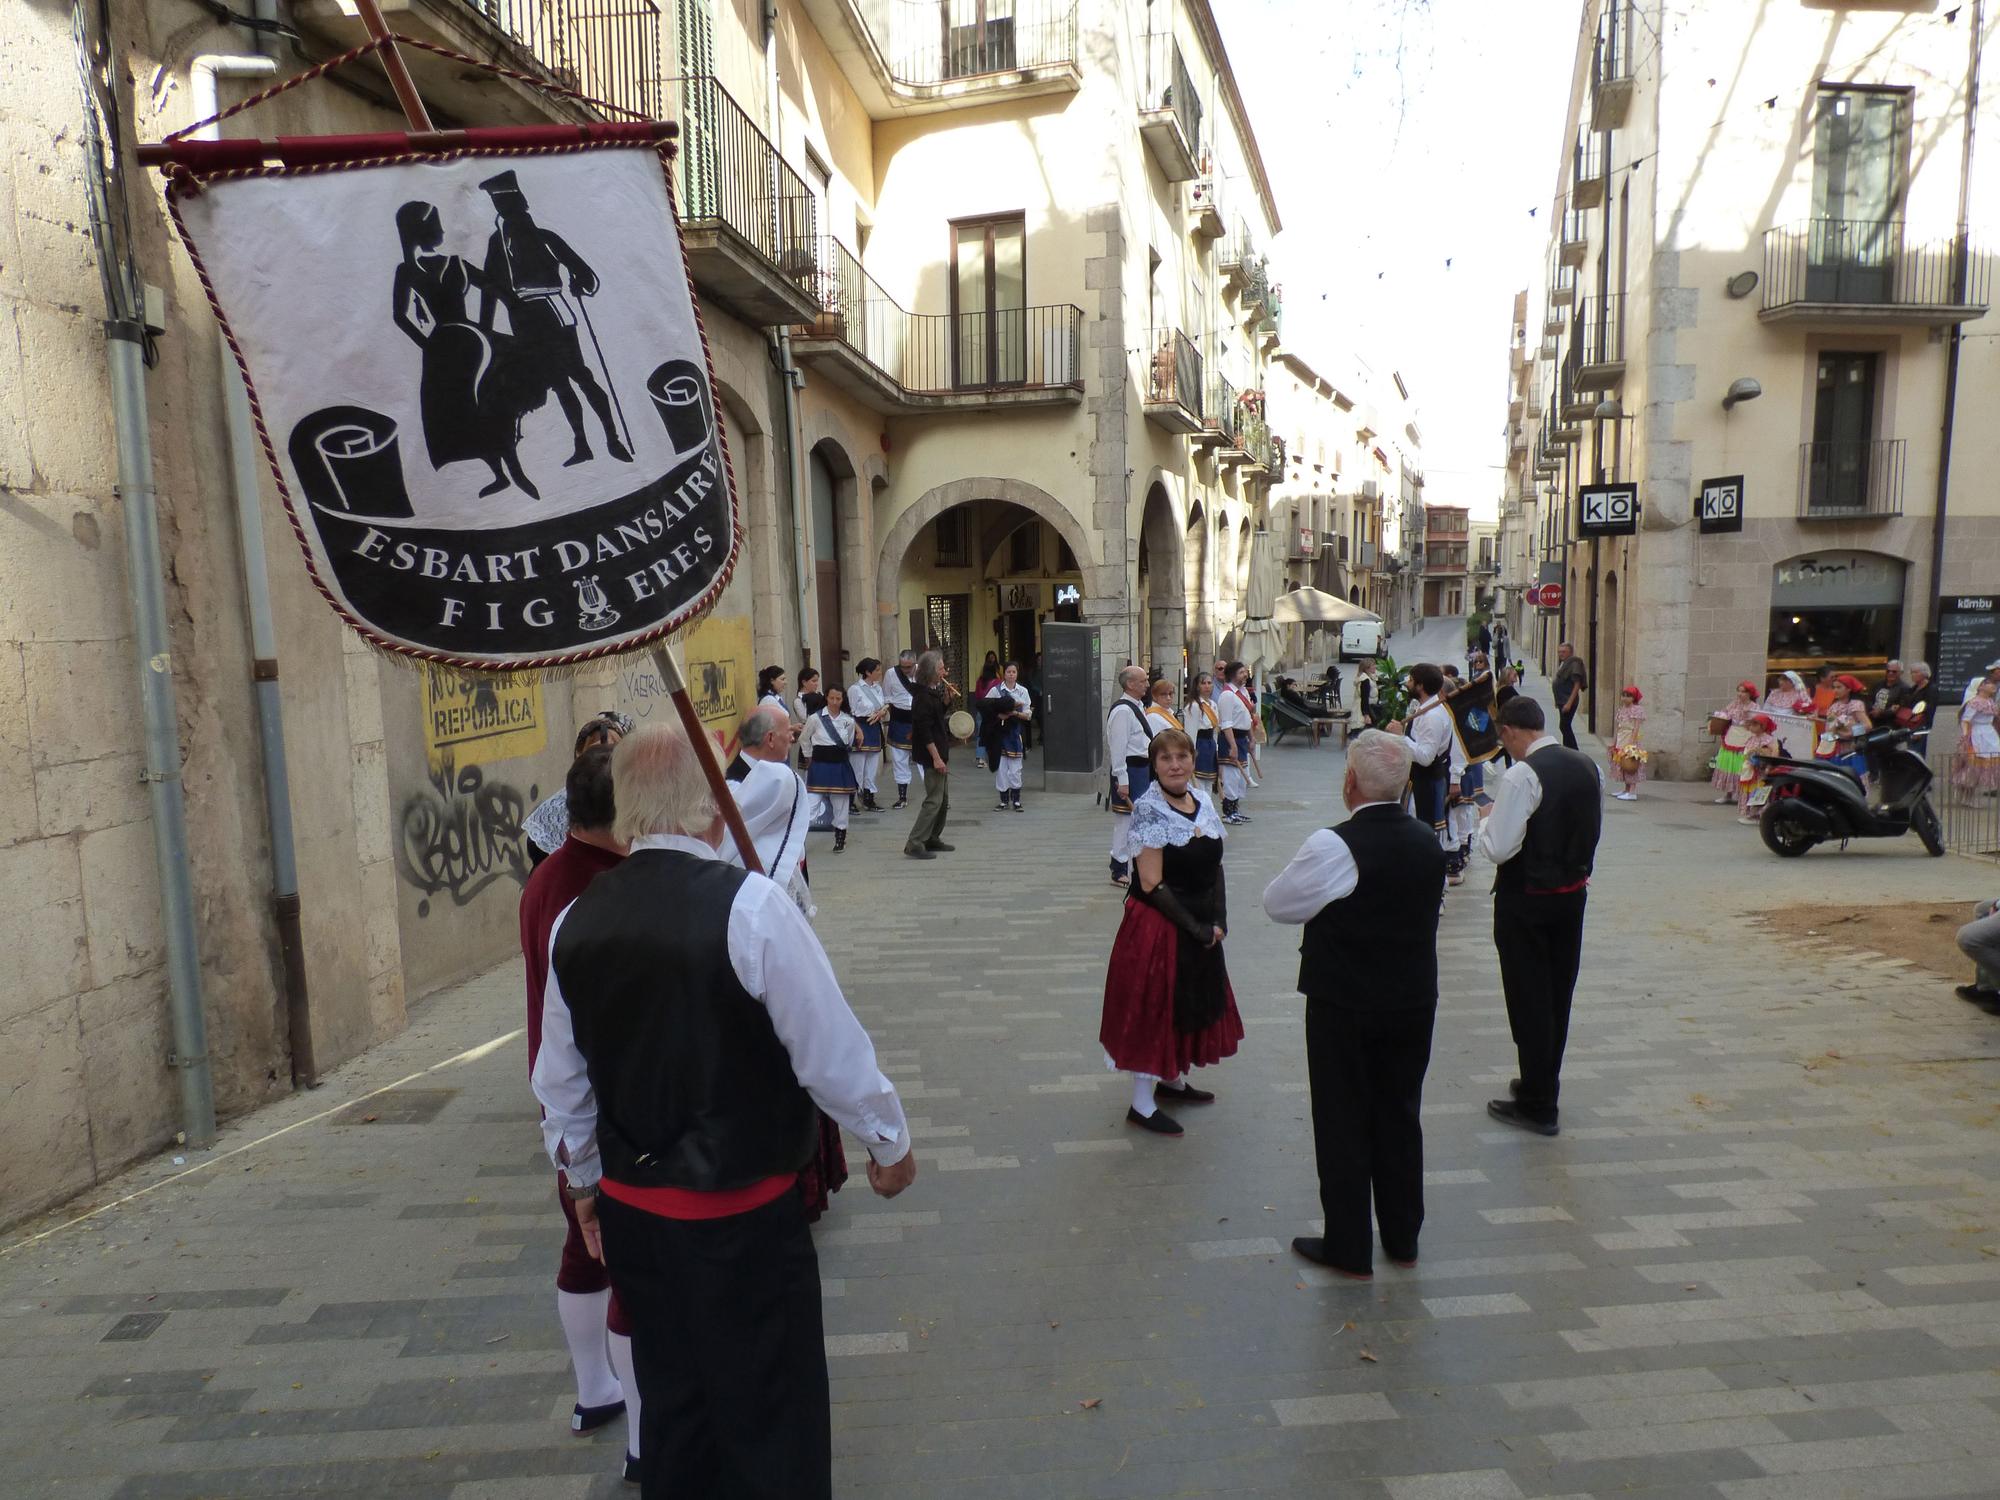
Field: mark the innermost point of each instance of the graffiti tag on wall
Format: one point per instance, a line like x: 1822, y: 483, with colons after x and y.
x: 460, y: 833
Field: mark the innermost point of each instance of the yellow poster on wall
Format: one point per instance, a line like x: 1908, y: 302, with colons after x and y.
x: 721, y: 675
x: 476, y: 718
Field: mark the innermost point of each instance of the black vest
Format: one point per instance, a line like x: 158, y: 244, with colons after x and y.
x: 1561, y: 844
x: 694, y: 1089
x: 1376, y: 950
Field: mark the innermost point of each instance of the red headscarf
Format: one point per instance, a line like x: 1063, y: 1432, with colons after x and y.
x: 1765, y: 722
x: 1635, y: 695
x: 1749, y: 687
x: 1852, y: 684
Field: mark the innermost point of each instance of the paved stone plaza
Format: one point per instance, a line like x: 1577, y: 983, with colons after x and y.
x: 1762, y: 1262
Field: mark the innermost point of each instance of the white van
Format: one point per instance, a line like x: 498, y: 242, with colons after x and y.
x: 1360, y: 640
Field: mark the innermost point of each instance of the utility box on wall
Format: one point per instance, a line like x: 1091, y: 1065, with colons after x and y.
x: 1072, y: 707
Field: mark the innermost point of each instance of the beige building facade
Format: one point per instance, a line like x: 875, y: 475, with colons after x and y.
x: 1766, y: 278
x: 991, y: 317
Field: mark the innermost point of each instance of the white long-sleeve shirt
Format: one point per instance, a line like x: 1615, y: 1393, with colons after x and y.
x: 1126, y: 735
x: 844, y: 733
x: 893, y: 690
x: 1322, y: 872
x: 865, y: 699
x: 1231, y: 708
x: 1430, y: 733
x: 1506, y: 827
x: 779, y: 962
x: 777, y: 810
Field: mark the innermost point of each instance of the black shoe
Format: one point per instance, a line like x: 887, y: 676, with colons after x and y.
x: 1977, y: 994
x: 1017, y: 802
x: 918, y: 851
x: 1507, y: 1112
x: 1406, y: 1262
x: 1187, y: 1093
x: 1313, y: 1248
x: 1121, y: 873
x: 1159, y: 1122
x: 632, y: 1468
x: 1005, y: 806
x: 839, y: 840
x: 1513, y: 1088
x: 903, y: 795
x: 939, y: 846
x: 587, y: 1419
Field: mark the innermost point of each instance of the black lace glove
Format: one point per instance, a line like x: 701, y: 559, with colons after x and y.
x: 1162, y: 899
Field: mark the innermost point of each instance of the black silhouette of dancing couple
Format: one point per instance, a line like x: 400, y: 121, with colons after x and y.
x: 479, y: 383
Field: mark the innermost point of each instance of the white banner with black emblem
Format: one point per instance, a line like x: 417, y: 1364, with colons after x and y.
x: 483, y: 386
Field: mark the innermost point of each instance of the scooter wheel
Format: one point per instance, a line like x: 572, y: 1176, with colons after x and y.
x: 1783, y: 835
x: 1924, y: 819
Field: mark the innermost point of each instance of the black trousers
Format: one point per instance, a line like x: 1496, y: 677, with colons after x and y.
x: 1568, y: 717
x: 1367, y: 1074
x: 1540, y: 940
x: 729, y: 1351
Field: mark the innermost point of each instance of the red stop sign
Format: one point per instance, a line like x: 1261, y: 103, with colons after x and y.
x: 1551, y: 596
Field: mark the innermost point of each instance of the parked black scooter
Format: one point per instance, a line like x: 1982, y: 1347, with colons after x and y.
x: 1814, y: 801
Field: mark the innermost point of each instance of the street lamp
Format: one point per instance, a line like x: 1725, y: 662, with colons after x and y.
x: 1746, y: 389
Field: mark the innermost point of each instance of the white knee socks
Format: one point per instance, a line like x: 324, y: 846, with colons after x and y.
x: 582, y: 1315
x: 621, y: 1365
x: 1142, y: 1094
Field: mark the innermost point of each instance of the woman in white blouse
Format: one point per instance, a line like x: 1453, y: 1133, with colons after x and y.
x: 870, y: 709
x: 830, y: 737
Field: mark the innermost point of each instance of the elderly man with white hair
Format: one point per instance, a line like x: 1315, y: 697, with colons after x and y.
x: 680, y: 1067
x: 777, y: 808
x: 1368, y: 892
x: 1127, y: 737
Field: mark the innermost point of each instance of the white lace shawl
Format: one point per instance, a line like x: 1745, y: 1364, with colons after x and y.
x: 1155, y: 824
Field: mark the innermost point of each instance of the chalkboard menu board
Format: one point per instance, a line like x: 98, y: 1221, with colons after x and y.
x: 1968, y: 638
x: 1072, y: 728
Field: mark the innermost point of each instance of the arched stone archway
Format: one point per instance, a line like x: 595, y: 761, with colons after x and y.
x: 1194, y: 559
x: 1103, y: 586
x: 1161, y: 590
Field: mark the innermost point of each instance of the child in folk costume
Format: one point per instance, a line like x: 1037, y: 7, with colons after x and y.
x: 1010, y: 742
x: 1628, y: 755
x: 1168, y: 1006
x: 1979, y: 741
x: 1728, y: 777
x: 1204, y: 723
x: 1233, y: 745
x: 831, y: 734
x: 1845, y: 719
x: 865, y: 701
x: 1758, y: 753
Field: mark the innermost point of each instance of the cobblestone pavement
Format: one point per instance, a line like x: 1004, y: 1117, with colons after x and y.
x: 1761, y: 1262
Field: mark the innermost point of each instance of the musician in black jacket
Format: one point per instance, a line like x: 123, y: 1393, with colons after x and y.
x: 1541, y: 836
x: 1370, y: 1004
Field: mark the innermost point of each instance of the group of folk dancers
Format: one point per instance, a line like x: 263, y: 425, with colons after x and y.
x: 1220, y: 719
x: 844, y: 734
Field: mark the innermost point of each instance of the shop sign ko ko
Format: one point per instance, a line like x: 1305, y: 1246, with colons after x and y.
x: 483, y: 385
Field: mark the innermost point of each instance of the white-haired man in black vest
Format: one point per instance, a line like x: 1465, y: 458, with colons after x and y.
x: 1541, y: 834
x: 1370, y: 1004
x: 690, y: 1024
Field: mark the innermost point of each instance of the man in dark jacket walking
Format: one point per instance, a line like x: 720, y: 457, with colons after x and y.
x: 1369, y: 1005
x: 930, y: 749
x: 1541, y: 835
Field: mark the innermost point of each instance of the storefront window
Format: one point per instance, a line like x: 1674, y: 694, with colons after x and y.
x: 1839, y: 609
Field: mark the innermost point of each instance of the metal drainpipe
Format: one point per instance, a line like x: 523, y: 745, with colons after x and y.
x: 794, y: 381
x: 1961, y: 282
x: 245, y: 467
x: 124, y: 347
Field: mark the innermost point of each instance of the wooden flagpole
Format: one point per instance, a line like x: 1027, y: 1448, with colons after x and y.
x: 675, y: 683
x: 398, y: 71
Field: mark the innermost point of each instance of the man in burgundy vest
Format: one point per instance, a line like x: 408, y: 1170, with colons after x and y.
x: 594, y: 1326
x: 690, y: 1026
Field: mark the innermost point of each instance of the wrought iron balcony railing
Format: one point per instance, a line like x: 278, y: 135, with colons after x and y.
x: 1611, y: 65
x: 1174, y: 372
x: 940, y: 41
x: 937, y: 354
x: 608, y: 49
x: 1600, y: 342
x: 1843, y: 481
x: 1170, y: 87
x: 1871, y: 264
x: 727, y: 174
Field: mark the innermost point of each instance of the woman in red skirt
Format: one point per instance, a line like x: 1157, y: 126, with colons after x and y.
x: 1167, y: 1002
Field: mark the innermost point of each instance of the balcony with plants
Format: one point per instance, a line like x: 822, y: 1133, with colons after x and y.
x: 1174, y: 388
x: 902, y: 363
x: 1170, y: 109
